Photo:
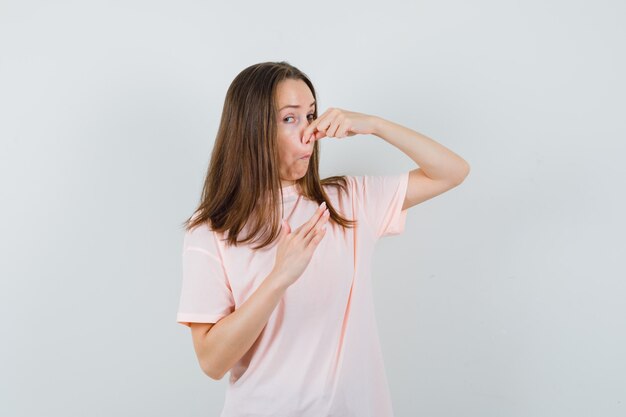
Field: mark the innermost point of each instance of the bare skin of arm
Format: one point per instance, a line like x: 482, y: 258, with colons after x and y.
x: 220, y: 345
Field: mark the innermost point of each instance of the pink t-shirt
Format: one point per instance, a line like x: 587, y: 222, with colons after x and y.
x: 319, y: 354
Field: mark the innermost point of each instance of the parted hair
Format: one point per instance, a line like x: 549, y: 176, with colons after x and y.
x: 242, y: 185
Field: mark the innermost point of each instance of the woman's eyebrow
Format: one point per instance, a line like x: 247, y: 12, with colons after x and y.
x: 296, y: 106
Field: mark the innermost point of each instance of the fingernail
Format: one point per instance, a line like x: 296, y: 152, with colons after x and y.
x: 323, y: 204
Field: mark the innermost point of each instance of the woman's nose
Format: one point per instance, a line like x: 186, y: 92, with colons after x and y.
x: 306, y: 139
x: 302, y: 138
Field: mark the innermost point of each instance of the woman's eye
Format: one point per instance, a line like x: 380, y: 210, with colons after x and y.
x: 291, y: 117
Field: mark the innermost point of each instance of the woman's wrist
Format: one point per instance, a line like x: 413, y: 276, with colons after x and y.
x: 377, y: 125
x: 277, y: 281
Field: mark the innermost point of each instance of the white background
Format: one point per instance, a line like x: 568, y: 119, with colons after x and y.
x: 503, y: 297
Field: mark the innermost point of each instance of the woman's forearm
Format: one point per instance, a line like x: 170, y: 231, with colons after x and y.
x: 232, y: 336
x: 435, y: 160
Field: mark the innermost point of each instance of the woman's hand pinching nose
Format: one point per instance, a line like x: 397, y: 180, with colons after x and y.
x: 339, y: 123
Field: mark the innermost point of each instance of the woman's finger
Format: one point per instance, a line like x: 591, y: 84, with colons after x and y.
x: 333, y: 128
x: 316, y: 136
x: 311, y: 236
x: 345, y: 130
x: 306, y: 227
x: 326, y: 125
x: 308, y: 131
x: 319, y: 135
x: 320, y: 124
x: 316, y: 238
x: 317, y: 223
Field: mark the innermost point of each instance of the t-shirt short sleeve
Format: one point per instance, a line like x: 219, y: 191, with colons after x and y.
x: 380, y: 199
x: 206, y: 295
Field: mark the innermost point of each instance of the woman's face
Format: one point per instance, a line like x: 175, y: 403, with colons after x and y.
x: 296, y: 108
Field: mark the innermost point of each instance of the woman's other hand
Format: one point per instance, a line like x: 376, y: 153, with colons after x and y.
x: 295, y: 249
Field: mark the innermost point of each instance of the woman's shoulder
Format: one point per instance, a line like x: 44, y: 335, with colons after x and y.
x: 201, y: 236
x: 339, y: 182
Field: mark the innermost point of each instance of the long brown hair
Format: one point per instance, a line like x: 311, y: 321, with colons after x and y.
x: 243, y: 170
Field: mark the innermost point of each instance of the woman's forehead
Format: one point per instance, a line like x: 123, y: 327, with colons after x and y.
x: 294, y: 94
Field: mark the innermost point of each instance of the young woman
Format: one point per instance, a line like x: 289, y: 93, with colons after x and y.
x: 276, y: 284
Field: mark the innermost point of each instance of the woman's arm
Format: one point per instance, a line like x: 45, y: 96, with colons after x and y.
x: 436, y: 161
x: 439, y: 169
x: 219, y: 348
